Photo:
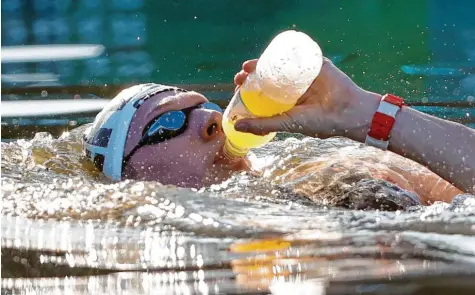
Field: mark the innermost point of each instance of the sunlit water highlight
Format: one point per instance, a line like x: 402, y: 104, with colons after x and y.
x: 248, y: 234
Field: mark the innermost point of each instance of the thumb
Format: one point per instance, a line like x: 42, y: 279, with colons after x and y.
x: 264, y: 126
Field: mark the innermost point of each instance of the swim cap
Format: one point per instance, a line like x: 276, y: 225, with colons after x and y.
x: 104, y: 141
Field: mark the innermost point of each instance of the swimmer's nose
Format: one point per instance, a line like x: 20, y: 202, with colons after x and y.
x: 213, y: 127
x: 209, y: 123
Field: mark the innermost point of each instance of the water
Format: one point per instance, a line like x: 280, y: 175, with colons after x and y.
x: 66, y: 229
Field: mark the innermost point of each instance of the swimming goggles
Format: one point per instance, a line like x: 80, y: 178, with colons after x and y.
x: 105, y: 143
x: 167, y: 126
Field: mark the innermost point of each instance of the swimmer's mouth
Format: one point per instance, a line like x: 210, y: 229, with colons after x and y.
x: 221, y: 159
x: 237, y: 164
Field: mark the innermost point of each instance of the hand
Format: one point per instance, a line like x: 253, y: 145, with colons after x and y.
x: 332, y: 106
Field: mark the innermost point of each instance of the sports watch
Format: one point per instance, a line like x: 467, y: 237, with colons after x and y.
x: 383, y: 121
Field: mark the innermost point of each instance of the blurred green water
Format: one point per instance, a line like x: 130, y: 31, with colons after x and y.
x: 205, y: 41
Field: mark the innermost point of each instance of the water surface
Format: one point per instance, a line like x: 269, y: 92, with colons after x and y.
x: 67, y: 229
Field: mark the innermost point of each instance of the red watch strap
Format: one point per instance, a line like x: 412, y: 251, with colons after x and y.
x: 392, y: 99
x: 383, y: 121
x: 381, y: 126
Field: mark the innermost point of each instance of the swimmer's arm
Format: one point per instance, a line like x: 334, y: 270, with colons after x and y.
x: 445, y: 147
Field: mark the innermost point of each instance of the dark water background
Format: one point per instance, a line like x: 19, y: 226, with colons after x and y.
x: 423, y: 51
x: 205, y: 42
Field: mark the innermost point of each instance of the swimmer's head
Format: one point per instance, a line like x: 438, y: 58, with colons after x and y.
x: 160, y: 133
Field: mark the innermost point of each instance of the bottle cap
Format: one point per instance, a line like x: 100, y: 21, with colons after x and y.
x: 231, y: 152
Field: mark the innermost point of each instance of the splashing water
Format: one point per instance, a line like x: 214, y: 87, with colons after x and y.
x: 62, y: 218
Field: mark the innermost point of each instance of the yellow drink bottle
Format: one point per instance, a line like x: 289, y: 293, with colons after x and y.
x: 284, y: 72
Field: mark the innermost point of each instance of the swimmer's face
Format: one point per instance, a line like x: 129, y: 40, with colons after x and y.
x: 191, y: 159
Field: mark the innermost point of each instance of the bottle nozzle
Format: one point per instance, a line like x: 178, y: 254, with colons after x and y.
x: 232, y: 152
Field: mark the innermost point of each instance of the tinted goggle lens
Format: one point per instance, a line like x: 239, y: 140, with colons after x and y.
x: 172, y: 121
x: 169, y: 123
x: 212, y: 106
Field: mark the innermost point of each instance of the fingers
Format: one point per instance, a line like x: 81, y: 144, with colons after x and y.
x: 240, y: 77
x: 259, y: 126
x: 249, y: 66
x: 264, y: 126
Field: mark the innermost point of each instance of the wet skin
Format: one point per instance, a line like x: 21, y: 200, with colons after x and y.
x: 191, y: 159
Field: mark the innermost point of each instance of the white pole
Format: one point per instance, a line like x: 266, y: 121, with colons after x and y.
x: 38, y: 53
x: 36, y: 108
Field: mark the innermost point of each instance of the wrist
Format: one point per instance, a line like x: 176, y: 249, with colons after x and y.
x: 359, y: 115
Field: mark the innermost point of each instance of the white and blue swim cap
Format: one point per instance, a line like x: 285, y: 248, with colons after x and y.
x: 105, y: 140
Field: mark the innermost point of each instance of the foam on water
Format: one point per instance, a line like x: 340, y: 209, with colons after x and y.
x: 53, y: 200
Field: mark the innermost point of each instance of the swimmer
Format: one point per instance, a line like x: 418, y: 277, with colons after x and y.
x: 161, y: 133
x: 155, y: 132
